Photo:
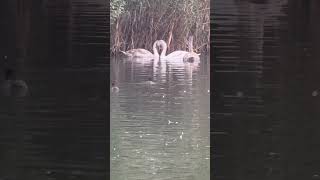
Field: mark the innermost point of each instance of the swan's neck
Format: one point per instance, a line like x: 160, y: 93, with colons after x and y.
x: 155, y: 51
x: 164, y: 50
x: 190, y: 44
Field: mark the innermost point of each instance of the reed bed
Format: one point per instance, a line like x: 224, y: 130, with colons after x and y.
x: 138, y: 23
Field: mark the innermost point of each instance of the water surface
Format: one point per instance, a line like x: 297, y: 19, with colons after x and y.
x: 160, y: 131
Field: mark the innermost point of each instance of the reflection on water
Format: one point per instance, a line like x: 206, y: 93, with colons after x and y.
x: 160, y: 130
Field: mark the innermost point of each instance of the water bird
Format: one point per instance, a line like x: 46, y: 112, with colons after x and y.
x: 180, y: 56
x: 191, y: 57
x: 12, y: 86
x: 142, y: 53
x: 174, y: 55
x: 114, y: 88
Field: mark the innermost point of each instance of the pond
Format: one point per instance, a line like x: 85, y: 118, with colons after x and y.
x: 160, y: 130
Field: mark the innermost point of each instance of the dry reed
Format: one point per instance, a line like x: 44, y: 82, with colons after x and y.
x: 138, y: 23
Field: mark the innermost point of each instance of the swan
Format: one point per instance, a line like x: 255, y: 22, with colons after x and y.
x: 191, y: 57
x: 178, y: 55
x: 12, y: 86
x: 172, y: 56
x: 142, y: 53
x: 114, y: 88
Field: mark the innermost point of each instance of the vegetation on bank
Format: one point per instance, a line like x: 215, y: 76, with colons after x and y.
x: 138, y: 23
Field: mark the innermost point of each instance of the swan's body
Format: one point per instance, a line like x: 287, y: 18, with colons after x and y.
x: 173, y: 55
x: 181, y: 56
x: 176, y: 55
x: 137, y: 53
x: 12, y: 86
x: 191, y: 57
x: 142, y: 53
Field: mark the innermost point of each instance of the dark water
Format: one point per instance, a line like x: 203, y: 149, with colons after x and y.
x: 160, y: 131
x: 58, y: 130
x: 266, y: 89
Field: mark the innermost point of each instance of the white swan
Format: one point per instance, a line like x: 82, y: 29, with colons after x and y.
x: 183, y: 56
x: 191, y: 57
x: 174, y: 55
x: 13, y: 87
x: 142, y: 53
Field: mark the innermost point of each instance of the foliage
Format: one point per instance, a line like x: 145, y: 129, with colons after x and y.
x: 117, y: 8
x: 138, y: 23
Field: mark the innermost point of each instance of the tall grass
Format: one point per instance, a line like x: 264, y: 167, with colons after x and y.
x: 138, y: 23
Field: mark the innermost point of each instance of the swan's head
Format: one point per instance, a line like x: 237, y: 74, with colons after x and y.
x: 162, y: 46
